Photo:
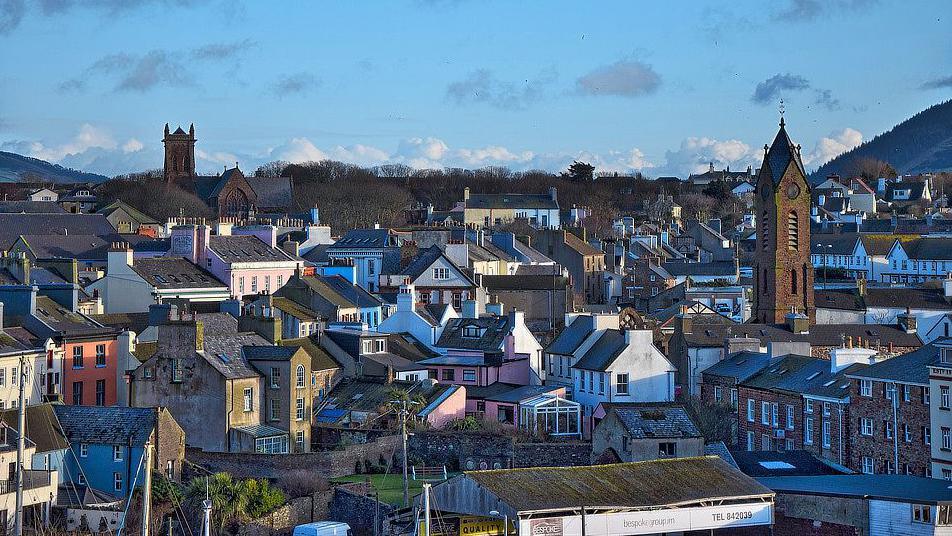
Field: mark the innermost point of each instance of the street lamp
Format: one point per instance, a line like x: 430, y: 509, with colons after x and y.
x: 505, y: 520
x: 826, y: 260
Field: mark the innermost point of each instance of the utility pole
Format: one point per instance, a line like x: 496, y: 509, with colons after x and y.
x: 21, y: 446
x: 403, y: 432
x: 426, y: 508
x: 146, y: 488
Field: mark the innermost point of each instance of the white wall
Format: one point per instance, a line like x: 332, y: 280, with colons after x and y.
x: 895, y: 519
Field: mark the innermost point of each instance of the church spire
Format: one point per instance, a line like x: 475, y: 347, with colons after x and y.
x: 782, y: 110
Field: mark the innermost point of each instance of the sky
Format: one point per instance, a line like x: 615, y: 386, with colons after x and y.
x: 658, y: 87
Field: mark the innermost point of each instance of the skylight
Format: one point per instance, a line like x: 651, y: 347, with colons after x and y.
x: 775, y: 465
x: 829, y: 383
x: 814, y: 375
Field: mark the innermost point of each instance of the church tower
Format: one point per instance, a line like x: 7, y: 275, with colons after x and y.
x: 179, y: 153
x: 783, y: 273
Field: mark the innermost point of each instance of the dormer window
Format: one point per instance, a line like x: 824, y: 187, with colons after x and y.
x: 945, y: 356
x: 471, y: 332
x: 441, y: 274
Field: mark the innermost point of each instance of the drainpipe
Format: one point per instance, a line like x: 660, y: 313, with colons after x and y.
x: 231, y: 406
x: 840, y: 411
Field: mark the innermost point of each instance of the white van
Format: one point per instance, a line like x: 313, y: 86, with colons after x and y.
x: 322, y: 528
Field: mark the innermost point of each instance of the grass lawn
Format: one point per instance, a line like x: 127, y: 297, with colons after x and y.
x: 389, y: 486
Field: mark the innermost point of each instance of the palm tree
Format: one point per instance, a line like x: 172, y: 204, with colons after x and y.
x: 235, y: 501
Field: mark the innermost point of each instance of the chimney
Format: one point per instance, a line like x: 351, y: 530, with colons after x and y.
x: 466, y: 194
x: 861, y: 287
x: 315, y: 216
x: 947, y: 288
x: 906, y: 321
x: 406, y: 298
x: 469, y: 309
x: 517, y: 318
x: 840, y: 358
x: 494, y: 307
x: 732, y: 345
x: 231, y: 306
x: 798, y: 322
x: 291, y: 247
x: 686, y: 322
x: 642, y: 338
x: 118, y: 258
x: 553, y: 193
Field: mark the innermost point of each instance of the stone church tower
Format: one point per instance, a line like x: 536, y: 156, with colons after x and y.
x: 179, y: 153
x: 783, y: 273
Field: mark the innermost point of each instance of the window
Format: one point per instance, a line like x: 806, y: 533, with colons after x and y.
x: 921, y: 513
x: 826, y: 409
x: 272, y: 445
x: 926, y: 395
x: 765, y: 413
x: 751, y: 410
x: 441, y: 273
x: 3, y: 377
x: 750, y: 441
x: 946, y: 438
x: 83, y: 450
x: 77, y: 393
x: 734, y: 399
x: 254, y: 283
x: 621, y: 384
x: 888, y: 429
x: 449, y: 374
x: 947, y: 474
x: 789, y: 417
x: 866, y: 427
x: 379, y: 346
x: 469, y: 375
x: 275, y: 377
x: 117, y: 481
x: 793, y: 231
x: 591, y: 381
x: 601, y: 383
x: 100, y: 392
x: 14, y: 374
x: 300, y: 377
x: 808, y: 431
x: 867, y: 465
x: 808, y: 406
x: 775, y: 414
x: 457, y: 300
x: 77, y: 357
x: 248, y: 402
x: 299, y: 409
x: 100, y: 355
x: 299, y: 440
x: 906, y: 393
x: 667, y: 450
x: 267, y: 283
x: 944, y: 397
x: 866, y: 388
x: 906, y: 435
x: 717, y: 393
x: 241, y: 285
x: 366, y: 346
x: 116, y: 453
x: 927, y: 435
x: 274, y: 409
x: 826, y: 434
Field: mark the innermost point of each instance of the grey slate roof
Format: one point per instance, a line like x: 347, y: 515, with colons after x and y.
x: 366, y: 238
x: 740, y: 365
x: 778, y: 157
x: 912, y: 367
x: 572, y: 336
x: 804, y: 375
x: 543, y: 201
x: 711, y: 335
x: 515, y: 394
x: 423, y: 260
x: 524, y: 282
x: 801, y: 462
x: 14, y: 225
x: 174, y: 273
x: 718, y: 268
x: 897, y: 488
x: 353, y: 293
x: 268, y: 353
x: 491, y: 341
x: 245, y: 248
x: 72, y: 246
x: 601, y: 355
x: 31, y: 207
x: 654, y: 421
x: 272, y: 192
x: 928, y: 248
x: 106, y: 425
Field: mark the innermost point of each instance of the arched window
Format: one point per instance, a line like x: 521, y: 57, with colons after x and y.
x: 793, y: 281
x: 299, y: 380
x: 805, y: 287
x: 764, y: 231
x: 763, y: 281
x: 236, y: 204
x: 793, y: 231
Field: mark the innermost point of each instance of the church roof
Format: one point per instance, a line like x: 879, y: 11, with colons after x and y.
x: 179, y: 131
x: 781, y: 152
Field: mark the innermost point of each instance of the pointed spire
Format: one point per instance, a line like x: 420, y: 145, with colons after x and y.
x: 782, y: 110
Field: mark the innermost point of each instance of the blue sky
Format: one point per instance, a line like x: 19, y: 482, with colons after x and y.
x: 626, y: 85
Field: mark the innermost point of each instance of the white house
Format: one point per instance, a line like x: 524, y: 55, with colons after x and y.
x: 918, y: 260
x: 622, y: 366
x: 579, y: 334
x: 43, y: 194
x: 131, y: 285
x: 424, y: 323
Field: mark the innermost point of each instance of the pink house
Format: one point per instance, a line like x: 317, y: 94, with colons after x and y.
x: 449, y: 406
x: 246, y: 258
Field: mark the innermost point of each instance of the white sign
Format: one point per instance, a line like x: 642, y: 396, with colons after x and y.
x: 652, y: 521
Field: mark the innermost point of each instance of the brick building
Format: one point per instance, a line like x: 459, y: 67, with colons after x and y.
x: 783, y: 273
x: 874, y: 425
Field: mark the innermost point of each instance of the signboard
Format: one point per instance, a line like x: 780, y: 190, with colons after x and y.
x: 466, y: 526
x: 652, y: 521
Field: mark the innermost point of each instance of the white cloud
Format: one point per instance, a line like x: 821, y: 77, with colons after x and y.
x: 833, y: 145
x: 298, y: 150
x: 132, y: 146
x: 88, y: 137
x: 697, y: 153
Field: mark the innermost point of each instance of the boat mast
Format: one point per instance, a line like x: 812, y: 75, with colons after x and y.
x: 21, y: 447
x: 146, y: 487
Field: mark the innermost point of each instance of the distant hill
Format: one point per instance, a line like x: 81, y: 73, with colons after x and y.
x: 919, y: 144
x: 15, y: 167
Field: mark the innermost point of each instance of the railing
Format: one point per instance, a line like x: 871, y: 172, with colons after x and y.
x: 32, y: 479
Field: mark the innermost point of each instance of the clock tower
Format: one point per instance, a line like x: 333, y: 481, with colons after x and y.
x: 179, y: 153
x: 783, y: 272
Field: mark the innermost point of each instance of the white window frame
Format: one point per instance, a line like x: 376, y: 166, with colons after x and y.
x: 866, y: 388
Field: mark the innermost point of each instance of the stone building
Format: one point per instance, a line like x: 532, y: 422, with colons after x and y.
x: 783, y: 273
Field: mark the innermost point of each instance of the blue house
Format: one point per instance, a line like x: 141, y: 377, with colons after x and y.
x: 107, y: 444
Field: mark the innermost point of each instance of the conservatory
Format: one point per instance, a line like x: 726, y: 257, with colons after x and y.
x: 551, y: 414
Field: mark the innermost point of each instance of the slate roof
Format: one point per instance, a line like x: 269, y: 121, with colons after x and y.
x: 656, y: 483
x: 717, y: 268
x: 897, y: 488
x: 320, y: 359
x: 72, y: 246
x: 912, y: 367
x: 245, y: 248
x: 371, y: 395
x: 917, y: 189
x: 261, y: 430
x: 524, y: 282
x: 539, y: 201
x: 800, y: 462
x: 353, y: 293
x: 491, y: 341
x: 740, y: 365
x: 31, y: 207
x: 60, y: 319
x: 778, y: 157
x: 226, y: 355
x: 139, y: 216
x: 14, y: 225
x: 603, y: 353
x: 423, y: 260
x: 718, y: 448
x: 150, y: 245
x: 840, y: 299
x: 581, y: 246
x: 294, y: 308
x: 136, y: 322
x: 407, y: 346
x: 517, y: 393
x: 42, y: 427
x: 272, y: 192
x: 175, y: 273
x: 570, y: 338
x: 268, y: 353
x: 843, y: 243
x: 928, y: 248
x: 106, y: 425
x: 655, y: 421
x: 804, y: 375
x: 366, y: 238
x: 711, y: 335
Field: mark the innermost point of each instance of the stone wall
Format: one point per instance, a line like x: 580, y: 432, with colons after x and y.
x: 297, y: 511
x: 479, y: 450
x: 358, y: 510
x: 329, y: 464
x: 915, y: 454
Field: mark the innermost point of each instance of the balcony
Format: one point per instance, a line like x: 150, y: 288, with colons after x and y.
x: 32, y: 479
